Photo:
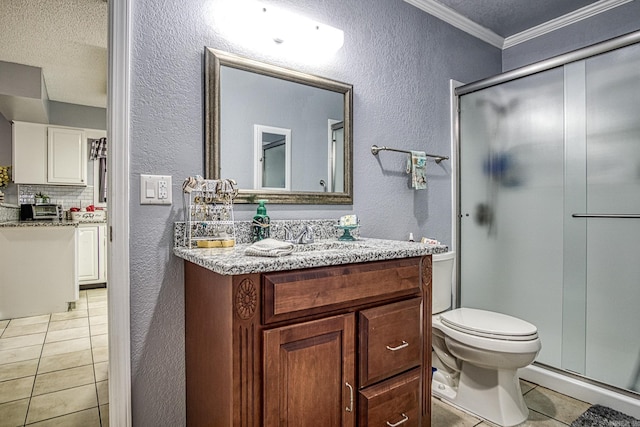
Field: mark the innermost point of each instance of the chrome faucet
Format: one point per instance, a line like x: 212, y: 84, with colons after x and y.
x: 305, y: 236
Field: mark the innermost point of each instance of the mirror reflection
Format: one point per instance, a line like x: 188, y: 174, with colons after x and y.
x: 273, y: 158
x: 282, y: 135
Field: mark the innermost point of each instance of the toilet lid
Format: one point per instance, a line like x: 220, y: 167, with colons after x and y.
x: 489, y: 324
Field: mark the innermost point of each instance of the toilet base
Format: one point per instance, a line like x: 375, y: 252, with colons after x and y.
x: 494, y: 395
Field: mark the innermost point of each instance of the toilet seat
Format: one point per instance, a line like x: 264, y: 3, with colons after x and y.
x: 488, y: 324
x: 474, y: 336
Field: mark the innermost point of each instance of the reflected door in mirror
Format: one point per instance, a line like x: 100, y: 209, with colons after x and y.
x: 272, y: 161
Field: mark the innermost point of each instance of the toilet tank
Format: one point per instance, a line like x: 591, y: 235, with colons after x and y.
x: 442, y: 281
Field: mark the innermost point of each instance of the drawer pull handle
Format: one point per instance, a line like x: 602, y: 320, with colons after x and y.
x: 402, y: 421
x: 350, y: 407
x: 400, y: 347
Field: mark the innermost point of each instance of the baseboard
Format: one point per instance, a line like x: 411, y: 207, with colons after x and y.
x: 581, y: 389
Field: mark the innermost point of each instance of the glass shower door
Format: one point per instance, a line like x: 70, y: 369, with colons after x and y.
x: 613, y: 244
x: 550, y: 211
x: 511, y: 203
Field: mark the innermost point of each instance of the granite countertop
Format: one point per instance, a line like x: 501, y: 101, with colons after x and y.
x: 41, y: 223
x: 232, y: 261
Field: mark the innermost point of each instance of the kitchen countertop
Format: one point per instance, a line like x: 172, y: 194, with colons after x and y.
x: 233, y: 261
x: 47, y: 223
x: 41, y: 223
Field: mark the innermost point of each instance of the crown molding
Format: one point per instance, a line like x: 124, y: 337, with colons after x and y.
x: 563, y: 21
x: 463, y: 23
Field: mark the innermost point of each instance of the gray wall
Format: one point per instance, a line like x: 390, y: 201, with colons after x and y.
x: 615, y: 22
x: 5, y: 141
x: 82, y: 116
x: 399, y: 60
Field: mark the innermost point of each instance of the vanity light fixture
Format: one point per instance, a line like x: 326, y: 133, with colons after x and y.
x: 299, y: 33
x: 272, y: 29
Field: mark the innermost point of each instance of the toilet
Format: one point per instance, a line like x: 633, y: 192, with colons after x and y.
x: 477, y: 353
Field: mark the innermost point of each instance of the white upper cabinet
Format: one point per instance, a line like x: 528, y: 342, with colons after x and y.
x: 67, y: 156
x: 48, y: 154
x: 29, y: 153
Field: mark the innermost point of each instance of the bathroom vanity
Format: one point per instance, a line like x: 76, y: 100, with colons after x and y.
x: 333, y: 334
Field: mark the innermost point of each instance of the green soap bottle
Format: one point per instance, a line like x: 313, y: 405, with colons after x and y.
x: 261, y: 223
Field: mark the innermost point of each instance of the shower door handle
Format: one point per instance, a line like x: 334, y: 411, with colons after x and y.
x: 619, y: 216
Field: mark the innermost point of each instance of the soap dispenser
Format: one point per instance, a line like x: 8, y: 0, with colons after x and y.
x: 261, y: 223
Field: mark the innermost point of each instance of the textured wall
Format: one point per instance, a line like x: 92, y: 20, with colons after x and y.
x: 615, y: 22
x: 399, y: 60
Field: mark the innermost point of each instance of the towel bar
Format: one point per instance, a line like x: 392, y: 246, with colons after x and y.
x: 375, y: 150
x: 621, y: 216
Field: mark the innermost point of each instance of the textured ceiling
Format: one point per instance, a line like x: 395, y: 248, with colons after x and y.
x: 509, y: 17
x: 66, y: 38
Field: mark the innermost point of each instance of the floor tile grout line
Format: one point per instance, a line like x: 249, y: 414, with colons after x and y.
x: 35, y: 375
x: 64, y: 388
x: 92, y: 368
x: 38, y: 367
x: 48, y: 322
x: 548, y: 416
x: 93, y: 361
x: 64, y: 415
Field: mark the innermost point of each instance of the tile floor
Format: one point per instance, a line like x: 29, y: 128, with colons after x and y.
x: 53, y: 372
x: 547, y: 408
x: 53, y: 368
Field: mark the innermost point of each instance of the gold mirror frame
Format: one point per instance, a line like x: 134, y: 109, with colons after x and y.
x: 214, y: 59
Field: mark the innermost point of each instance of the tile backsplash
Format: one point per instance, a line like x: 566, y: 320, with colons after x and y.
x: 67, y: 196
x: 322, y: 229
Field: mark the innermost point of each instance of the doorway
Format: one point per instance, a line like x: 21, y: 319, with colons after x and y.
x: 120, y: 16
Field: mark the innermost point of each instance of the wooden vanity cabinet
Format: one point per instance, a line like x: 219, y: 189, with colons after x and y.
x: 309, y: 376
x: 331, y: 346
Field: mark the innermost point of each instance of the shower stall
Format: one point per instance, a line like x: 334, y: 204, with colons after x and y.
x: 549, y: 207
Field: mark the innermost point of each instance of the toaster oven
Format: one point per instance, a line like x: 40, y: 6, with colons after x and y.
x: 33, y: 212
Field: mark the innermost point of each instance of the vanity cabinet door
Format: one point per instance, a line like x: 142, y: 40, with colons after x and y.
x: 309, y: 373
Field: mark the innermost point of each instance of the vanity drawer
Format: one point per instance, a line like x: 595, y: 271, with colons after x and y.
x: 390, y: 340
x: 395, y: 402
x: 298, y: 293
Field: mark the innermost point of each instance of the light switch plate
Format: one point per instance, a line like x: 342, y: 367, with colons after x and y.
x: 155, y: 189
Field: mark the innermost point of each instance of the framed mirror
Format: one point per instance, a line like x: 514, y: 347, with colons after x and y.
x: 283, y: 135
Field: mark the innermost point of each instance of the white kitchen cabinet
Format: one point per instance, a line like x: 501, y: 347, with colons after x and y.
x: 92, y: 249
x: 29, y: 144
x: 43, y: 154
x: 67, y: 156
